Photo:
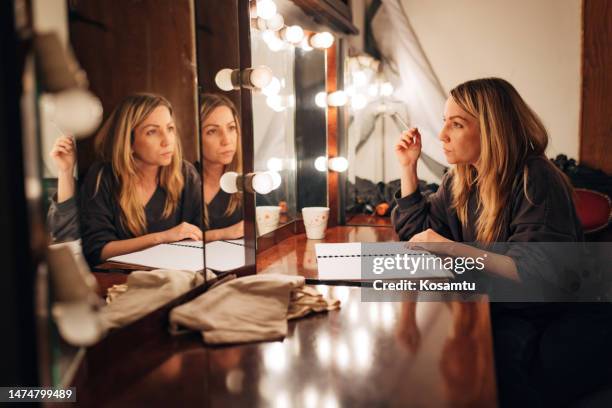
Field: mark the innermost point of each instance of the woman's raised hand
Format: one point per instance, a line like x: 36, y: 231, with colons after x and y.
x: 182, y: 231
x: 64, y: 154
x: 408, y: 148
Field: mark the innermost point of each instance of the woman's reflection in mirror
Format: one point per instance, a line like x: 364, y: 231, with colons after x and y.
x: 221, y: 153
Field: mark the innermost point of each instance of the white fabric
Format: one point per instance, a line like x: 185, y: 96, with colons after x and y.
x: 252, y: 308
x: 418, y: 85
x: 144, y: 292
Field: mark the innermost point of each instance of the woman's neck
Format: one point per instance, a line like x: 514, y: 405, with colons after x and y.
x: 148, y: 173
x: 212, y: 172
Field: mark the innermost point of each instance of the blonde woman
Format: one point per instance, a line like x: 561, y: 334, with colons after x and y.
x: 141, y: 193
x: 502, y: 188
x: 221, y: 152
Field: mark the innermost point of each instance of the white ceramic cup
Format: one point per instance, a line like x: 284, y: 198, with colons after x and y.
x: 267, y: 217
x: 315, y: 221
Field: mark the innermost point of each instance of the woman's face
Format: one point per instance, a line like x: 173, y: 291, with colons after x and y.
x: 460, y: 135
x: 155, y: 138
x: 219, y: 136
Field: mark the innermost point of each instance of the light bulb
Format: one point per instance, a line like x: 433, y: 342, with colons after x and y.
x: 272, y: 88
x: 322, y: 40
x: 373, y: 90
x: 275, y: 23
x: 321, y: 163
x: 266, y: 9
x: 260, y: 76
x: 274, y: 164
x: 275, y: 103
x: 359, y: 101
x: 276, y: 179
x: 223, y: 79
x: 75, y: 111
x: 339, y: 164
x: 262, y: 183
x: 293, y: 34
x: 359, y: 78
x: 321, y: 99
x: 386, y: 89
x: 305, y: 45
x: 337, y: 98
x: 228, y: 182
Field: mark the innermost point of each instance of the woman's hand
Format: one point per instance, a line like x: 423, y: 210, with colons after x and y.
x: 64, y: 154
x: 235, y: 231
x: 182, y: 231
x: 408, y: 148
x: 429, y: 240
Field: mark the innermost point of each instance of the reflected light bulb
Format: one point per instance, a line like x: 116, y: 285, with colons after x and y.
x: 359, y: 101
x: 321, y: 99
x: 373, y: 90
x: 276, y: 179
x: 274, y: 102
x: 262, y: 183
x: 272, y: 88
x: 223, y: 79
x: 321, y: 163
x: 266, y: 9
x: 337, y: 98
x: 293, y: 34
x: 275, y: 23
x: 305, y: 45
x: 75, y: 111
x: 338, y: 164
x: 228, y: 182
x: 360, y: 78
x: 261, y: 76
x: 386, y: 89
x: 322, y: 40
x: 274, y: 164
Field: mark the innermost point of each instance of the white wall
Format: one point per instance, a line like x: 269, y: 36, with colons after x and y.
x: 534, y: 44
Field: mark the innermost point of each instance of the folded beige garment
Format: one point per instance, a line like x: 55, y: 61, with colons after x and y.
x: 144, y: 292
x: 252, y: 308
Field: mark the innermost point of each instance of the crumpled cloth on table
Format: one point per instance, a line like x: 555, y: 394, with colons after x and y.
x: 252, y: 308
x: 144, y: 292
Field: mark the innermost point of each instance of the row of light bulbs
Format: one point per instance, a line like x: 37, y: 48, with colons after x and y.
x: 261, y: 182
x: 277, y: 35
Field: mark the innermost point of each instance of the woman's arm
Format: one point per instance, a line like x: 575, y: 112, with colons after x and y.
x: 232, y: 232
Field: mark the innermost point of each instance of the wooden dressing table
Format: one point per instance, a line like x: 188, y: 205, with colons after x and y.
x: 366, y: 354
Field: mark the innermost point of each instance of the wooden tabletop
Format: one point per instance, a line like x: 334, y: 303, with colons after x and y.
x: 411, y: 353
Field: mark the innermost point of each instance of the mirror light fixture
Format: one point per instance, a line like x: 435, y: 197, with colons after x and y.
x: 266, y: 9
x: 292, y: 34
x: 229, y: 79
x: 337, y: 98
x: 321, y: 40
x: 338, y: 164
x: 258, y: 182
x: 274, y: 23
x: 75, y: 111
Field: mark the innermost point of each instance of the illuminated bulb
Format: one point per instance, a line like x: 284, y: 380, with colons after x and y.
x: 359, y: 101
x: 274, y: 102
x: 321, y: 99
x: 223, y: 79
x: 262, y: 183
x: 350, y: 90
x: 275, y: 23
x: 272, y: 88
x: 337, y: 98
x: 260, y: 76
x: 228, y: 182
x: 338, y: 164
x: 360, y: 78
x: 322, y: 40
x: 321, y: 163
x: 305, y: 45
x: 293, y: 34
x: 274, y: 164
x: 276, y: 179
x: 273, y: 41
x: 75, y: 111
x: 266, y: 9
x: 386, y: 89
x: 373, y: 90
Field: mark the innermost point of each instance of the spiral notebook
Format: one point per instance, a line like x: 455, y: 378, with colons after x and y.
x: 221, y: 256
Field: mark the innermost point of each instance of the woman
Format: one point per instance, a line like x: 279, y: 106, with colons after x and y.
x: 221, y: 152
x: 141, y: 193
x: 62, y: 218
x: 502, y: 188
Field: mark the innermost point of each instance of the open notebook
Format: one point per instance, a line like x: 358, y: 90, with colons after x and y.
x: 221, y: 256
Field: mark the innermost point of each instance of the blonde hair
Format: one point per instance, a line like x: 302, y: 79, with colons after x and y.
x: 208, y: 103
x: 510, y: 134
x: 113, y: 144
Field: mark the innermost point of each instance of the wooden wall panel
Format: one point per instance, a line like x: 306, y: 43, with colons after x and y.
x: 596, y: 115
x: 128, y: 46
x: 332, y: 85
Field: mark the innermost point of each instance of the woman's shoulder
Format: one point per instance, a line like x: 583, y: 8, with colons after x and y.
x: 99, y: 177
x: 189, y: 171
x: 543, y: 181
